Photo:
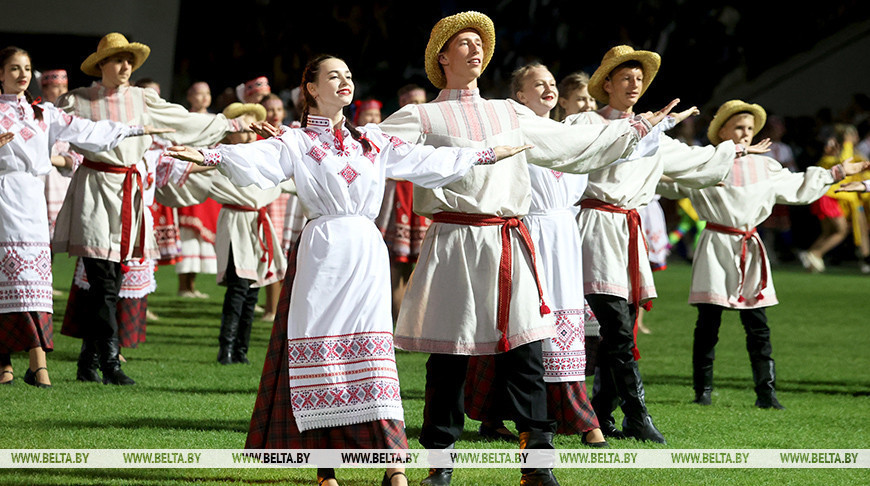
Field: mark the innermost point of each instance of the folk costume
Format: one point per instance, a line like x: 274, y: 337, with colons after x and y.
x: 475, y: 290
x: 338, y: 316
x: 731, y: 269
x: 616, y: 274
x: 552, y: 226
x: 26, y: 299
x: 103, y: 215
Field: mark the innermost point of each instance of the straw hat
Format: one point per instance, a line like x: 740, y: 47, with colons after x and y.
x: 235, y: 110
x: 729, y: 109
x: 447, y: 28
x: 110, y: 45
x: 649, y: 61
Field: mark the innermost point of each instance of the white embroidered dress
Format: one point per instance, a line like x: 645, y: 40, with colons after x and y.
x: 553, y: 228
x: 752, y: 188
x: 25, y: 256
x: 340, y: 342
x: 451, y: 303
x: 631, y: 185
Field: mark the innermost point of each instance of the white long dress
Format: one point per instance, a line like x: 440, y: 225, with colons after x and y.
x: 340, y: 342
x: 25, y: 257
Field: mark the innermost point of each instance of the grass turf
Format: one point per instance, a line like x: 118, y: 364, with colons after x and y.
x: 185, y: 400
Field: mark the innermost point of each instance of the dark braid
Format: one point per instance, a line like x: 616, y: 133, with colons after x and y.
x: 309, y: 75
x: 5, y: 54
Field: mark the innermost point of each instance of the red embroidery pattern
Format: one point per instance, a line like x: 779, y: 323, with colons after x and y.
x: 371, y: 156
x: 26, y: 133
x: 42, y: 125
x: 345, y: 395
x: 396, y: 141
x: 565, y: 364
x: 13, y: 263
x: 66, y: 118
x: 6, y: 122
x: 558, y: 175
x: 311, y: 133
x: 485, y: 157
x: 4, y: 107
x: 569, y: 328
x: 211, y: 157
x: 350, y: 348
x: 349, y: 174
x: 317, y: 154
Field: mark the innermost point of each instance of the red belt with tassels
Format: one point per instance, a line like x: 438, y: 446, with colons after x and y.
x: 505, y: 265
x: 264, y: 227
x: 745, y: 237
x: 131, y: 176
x: 634, y: 231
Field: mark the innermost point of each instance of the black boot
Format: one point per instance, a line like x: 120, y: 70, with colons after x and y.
x: 89, y: 362
x: 604, y: 401
x: 537, y: 476
x: 440, y: 476
x: 637, y: 423
x: 764, y: 374
x: 702, y: 379
x: 110, y: 365
x: 227, y: 339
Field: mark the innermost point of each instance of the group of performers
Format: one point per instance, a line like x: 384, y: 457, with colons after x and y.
x: 532, y: 228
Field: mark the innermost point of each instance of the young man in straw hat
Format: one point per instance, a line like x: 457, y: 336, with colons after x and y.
x: 730, y: 269
x: 475, y: 289
x: 617, y: 276
x: 102, y: 218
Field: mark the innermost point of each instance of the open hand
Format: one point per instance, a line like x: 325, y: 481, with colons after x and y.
x: 852, y: 168
x: 655, y: 118
x: 265, y: 129
x: 187, y: 154
x: 682, y: 115
x: 6, y: 137
x: 505, y: 151
x: 759, y: 148
x: 854, y: 186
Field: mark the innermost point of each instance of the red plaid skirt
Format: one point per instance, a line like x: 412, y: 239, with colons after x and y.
x: 568, y: 404
x: 130, y: 317
x: 273, y: 425
x: 22, y: 331
x: 480, y: 396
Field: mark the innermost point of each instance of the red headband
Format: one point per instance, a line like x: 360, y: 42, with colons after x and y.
x: 55, y: 76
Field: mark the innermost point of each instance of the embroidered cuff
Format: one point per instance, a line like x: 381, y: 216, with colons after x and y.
x: 211, y: 157
x: 485, y: 157
x: 641, y: 125
x: 838, y: 172
x: 136, y: 131
x: 739, y: 151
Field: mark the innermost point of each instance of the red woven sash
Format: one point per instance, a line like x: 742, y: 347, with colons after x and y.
x: 505, y: 264
x: 264, y: 228
x: 131, y: 176
x: 745, y: 237
x: 634, y: 231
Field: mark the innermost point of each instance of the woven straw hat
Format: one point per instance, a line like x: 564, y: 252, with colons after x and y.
x: 235, y: 110
x: 110, y: 45
x: 650, y: 62
x: 729, y: 109
x: 447, y: 28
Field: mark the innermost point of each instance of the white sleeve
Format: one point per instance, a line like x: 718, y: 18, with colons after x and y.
x: 266, y: 163
x: 89, y: 135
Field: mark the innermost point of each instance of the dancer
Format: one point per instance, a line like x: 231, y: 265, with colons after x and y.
x: 28, y: 132
x: 554, y: 232
x: 730, y: 269
x: 55, y: 83
x: 574, y: 96
x: 617, y: 276
x: 102, y: 218
x: 459, y: 302
x: 342, y: 300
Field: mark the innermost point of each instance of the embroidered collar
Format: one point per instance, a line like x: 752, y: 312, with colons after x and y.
x: 319, y: 122
x: 10, y: 98
x: 610, y: 113
x: 462, y: 95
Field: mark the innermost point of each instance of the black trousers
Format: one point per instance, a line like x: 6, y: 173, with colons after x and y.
x: 105, y: 279
x: 240, y: 301
x: 616, y: 317
x: 707, y: 334
x: 524, y: 394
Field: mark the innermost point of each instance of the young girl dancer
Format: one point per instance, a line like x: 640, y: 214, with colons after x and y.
x: 338, y: 318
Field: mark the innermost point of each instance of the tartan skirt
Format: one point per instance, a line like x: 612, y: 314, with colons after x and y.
x: 273, y: 425
x: 567, y: 402
x: 130, y: 317
x: 22, y: 331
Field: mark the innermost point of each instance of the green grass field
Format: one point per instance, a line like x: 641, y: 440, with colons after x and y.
x: 185, y: 400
